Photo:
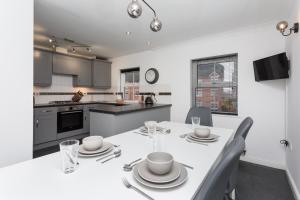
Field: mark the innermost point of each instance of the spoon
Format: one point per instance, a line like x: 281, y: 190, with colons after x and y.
x: 168, y: 131
x: 129, y: 168
x: 114, y: 156
x: 111, y: 154
x: 183, y: 135
x: 130, y: 165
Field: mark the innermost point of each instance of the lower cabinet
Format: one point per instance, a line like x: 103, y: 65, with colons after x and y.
x: 45, y: 125
x: 107, y: 125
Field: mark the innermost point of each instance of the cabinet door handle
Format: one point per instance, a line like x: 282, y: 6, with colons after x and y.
x: 37, y: 123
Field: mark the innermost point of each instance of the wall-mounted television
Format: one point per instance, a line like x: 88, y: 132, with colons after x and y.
x: 270, y: 68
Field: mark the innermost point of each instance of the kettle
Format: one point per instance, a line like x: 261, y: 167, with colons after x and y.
x: 149, y: 99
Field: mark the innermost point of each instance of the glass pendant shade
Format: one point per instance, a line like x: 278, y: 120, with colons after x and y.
x: 155, y: 25
x: 134, y: 9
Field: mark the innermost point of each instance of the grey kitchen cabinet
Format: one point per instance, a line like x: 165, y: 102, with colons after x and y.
x: 42, y: 72
x: 45, y: 124
x: 84, y: 74
x: 86, y: 117
x: 80, y: 68
x: 101, y: 74
x: 107, y: 125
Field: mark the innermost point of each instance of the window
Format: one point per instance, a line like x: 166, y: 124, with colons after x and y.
x: 130, y: 79
x: 215, y: 84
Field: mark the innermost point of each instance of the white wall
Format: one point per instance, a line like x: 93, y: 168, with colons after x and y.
x: 293, y: 106
x: 16, y: 22
x: 263, y: 101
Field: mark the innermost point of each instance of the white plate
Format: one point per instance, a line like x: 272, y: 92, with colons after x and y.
x: 211, y: 137
x: 146, y: 174
x: 105, y: 146
x: 200, y: 140
x: 94, y: 155
x: 179, y: 181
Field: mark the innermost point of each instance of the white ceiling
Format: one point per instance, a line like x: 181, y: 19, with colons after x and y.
x: 103, y: 23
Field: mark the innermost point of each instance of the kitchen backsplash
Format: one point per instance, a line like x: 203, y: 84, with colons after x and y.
x: 62, y: 89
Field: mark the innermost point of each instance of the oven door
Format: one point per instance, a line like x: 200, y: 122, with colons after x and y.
x: 69, y: 120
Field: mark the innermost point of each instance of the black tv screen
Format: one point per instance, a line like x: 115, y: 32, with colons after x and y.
x: 270, y: 68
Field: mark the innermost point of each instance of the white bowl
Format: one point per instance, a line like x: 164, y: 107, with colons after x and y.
x: 159, y: 162
x: 202, y: 132
x: 92, y: 143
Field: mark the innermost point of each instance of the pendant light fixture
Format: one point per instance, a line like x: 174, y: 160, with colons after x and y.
x: 134, y: 10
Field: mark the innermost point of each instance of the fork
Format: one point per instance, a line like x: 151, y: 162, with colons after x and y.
x: 190, y: 141
x: 128, y: 185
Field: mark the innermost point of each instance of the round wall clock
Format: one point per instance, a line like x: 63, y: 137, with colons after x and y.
x: 151, y: 76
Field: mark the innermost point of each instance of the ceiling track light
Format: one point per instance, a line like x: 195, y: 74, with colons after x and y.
x: 135, y: 10
x: 283, y: 25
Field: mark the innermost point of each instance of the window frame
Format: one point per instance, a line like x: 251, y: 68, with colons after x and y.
x: 135, y: 84
x: 194, y: 78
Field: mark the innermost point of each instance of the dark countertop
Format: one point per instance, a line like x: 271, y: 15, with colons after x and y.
x: 110, y: 107
x: 117, y: 110
x: 73, y: 103
x: 68, y: 104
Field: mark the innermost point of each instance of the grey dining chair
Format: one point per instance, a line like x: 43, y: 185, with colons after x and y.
x: 203, y: 112
x: 244, y: 128
x: 214, y: 185
x: 242, y: 131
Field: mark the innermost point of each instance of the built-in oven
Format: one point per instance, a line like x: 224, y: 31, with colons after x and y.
x: 70, y: 118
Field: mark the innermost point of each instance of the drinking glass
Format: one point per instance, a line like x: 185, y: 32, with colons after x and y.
x: 151, y: 126
x: 69, y: 154
x: 195, y: 122
x: 159, y: 142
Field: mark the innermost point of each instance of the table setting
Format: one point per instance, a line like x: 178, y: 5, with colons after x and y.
x: 148, y: 129
x: 199, y: 135
x: 158, y: 170
x: 129, y: 168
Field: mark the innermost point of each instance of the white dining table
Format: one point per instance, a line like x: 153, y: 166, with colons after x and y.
x: 42, y: 178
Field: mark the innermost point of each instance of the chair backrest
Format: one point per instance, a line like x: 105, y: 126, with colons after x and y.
x: 214, y: 185
x: 244, y: 128
x: 203, y: 112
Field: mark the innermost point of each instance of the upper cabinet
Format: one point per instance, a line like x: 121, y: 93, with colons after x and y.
x: 85, y: 72
x: 101, y: 74
x: 42, y: 68
x: 80, y: 68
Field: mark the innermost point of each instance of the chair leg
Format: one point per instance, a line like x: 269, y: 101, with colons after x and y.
x: 236, y: 194
x: 227, y: 197
x: 232, y: 195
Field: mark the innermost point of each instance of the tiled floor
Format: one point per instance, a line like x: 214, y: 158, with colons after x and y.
x: 258, y: 182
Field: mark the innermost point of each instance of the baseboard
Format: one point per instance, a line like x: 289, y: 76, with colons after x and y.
x: 293, y: 185
x: 263, y: 162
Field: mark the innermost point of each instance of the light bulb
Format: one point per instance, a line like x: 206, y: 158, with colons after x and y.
x: 134, y: 9
x: 281, y: 26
